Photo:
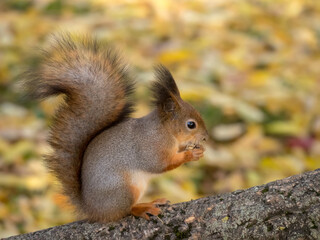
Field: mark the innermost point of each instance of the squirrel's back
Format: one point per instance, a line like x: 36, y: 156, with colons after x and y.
x: 96, y: 89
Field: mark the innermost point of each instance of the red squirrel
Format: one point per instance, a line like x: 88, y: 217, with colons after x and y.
x: 102, y: 156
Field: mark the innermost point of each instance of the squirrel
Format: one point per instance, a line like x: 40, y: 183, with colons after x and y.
x: 102, y: 156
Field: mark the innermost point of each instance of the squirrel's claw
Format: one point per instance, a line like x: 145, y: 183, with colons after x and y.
x: 197, y: 153
x: 161, y: 201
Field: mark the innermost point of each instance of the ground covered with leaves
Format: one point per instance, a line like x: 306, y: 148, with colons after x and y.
x: 250, y: 67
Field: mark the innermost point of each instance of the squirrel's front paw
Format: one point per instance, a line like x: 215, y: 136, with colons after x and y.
x: 197, y: 152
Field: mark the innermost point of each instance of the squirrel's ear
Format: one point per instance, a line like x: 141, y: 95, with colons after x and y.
x: 166, y: 94
x: 164, y: 77
x: 170, y: 105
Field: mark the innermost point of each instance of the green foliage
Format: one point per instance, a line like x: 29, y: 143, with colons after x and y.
x: 20, y: 5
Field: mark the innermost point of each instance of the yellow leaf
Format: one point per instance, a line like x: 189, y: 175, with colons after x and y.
x: 258, y: 78
x: 284, y: 128
x: 35, y: 183
x: 312, y: 163
x: 175, y: 56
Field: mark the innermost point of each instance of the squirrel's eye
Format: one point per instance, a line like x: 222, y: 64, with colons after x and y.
x: 191, y: 124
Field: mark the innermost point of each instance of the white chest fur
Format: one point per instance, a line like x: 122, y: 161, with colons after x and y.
x: 140, y: 180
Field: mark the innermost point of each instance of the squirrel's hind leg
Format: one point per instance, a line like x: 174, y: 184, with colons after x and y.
x: 143, y: 209
x: 137, y: 183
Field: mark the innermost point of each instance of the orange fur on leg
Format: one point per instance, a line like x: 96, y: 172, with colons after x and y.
x: 141, y: 209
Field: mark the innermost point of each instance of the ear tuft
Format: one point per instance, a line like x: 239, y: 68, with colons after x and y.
x: 164, y: 90
x: 164, y: 76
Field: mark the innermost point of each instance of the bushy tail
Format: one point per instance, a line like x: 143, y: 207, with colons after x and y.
x: 96, y: 88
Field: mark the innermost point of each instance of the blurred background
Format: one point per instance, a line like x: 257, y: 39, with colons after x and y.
x: 251, y: 67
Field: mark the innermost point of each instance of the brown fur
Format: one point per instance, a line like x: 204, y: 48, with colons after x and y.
x: 102, y: 157
x: 96, y: 87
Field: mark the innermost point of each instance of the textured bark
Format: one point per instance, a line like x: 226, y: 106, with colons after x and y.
x: 284, y: 209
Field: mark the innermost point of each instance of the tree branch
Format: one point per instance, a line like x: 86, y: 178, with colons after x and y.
x: 284, y: 209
